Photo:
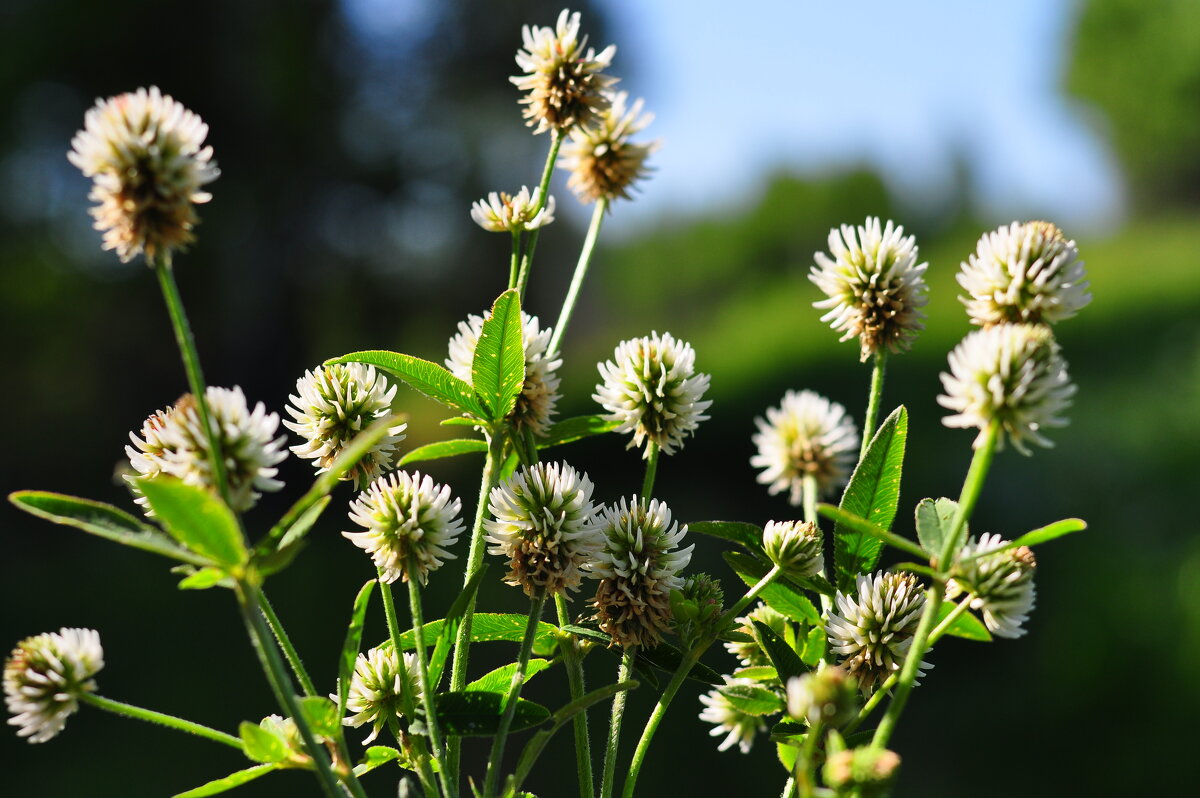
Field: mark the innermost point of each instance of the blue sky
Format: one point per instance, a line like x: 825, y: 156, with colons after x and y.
x: 741, y: 88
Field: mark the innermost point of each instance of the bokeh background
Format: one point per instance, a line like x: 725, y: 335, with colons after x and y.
x: 352, y: 137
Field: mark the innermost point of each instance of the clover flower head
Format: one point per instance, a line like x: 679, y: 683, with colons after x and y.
x: 750, y: 653
x: 173, y: 442
x: 334, y: 403
x: 603, y: 162
x: 544, y: 522
x: 44, y: 677
x: 638, y: 568
x: 865, y: 771
x: 1000, y: 582
x: 375, y: 694
x: 562, y: 78
x: 828, y: 697
x: 737, y: 726
x: 807, y: 435
x: 1024, y: 272
x: 410, y: 521
x: 506, y: 213
x: 872, y: 629
x: 1013, y: 374
x: 146, y: 156
x: 795, y: 546
x: 874, y: 286
x: 651, y: 387
x: 539, y: 394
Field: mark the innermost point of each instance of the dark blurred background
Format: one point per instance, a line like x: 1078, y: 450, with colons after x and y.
x: 352, y: 138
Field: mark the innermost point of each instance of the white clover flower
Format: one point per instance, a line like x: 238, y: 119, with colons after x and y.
x: 1011, y: 373
x: 807, y: 435
x: 506, y: 213
x: 146, y: 156
x: 563, y: 82
x: 651, y: 387
x: 737, y: 726
x: 546, y: 525
x: 638, y: 568
x: 872, y: 630
x: 751, y: 654
x: 1000, y: 583
x: 44, y: 677
x: 1025, y: 272
x: 797, y: 547
x: 332, y: 404
x: 874, y: 285
x: 375, y: 695
x: 827, y: 697
x: 173, y: 442
x: 406, y: 516
x: 539, y: 394
x: 603, y: 162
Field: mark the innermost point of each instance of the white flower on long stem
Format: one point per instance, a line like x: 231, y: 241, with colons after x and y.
x: 173, y: 442
x: 539, y: 394
x: 563, y: 79
x: 334, y: 403
x: 638, y: 568
x: 44, y: 677
x: 651, y: 387
x: 872, y: 629
x: 737, y: 726
x: 1010, y: 373
x: 545, y: 524
x: 1000, y: 583
x: 375, y: 695
x: 874, y: 285
x: 1027, y: 272
x: 807, y: 435
x: 146, y: 156
x: 406, y: 517
x: 603, y: 162
x: 506, y: 213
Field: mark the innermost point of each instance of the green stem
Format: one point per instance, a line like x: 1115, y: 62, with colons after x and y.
x: 677, y: 678
x: 418, y: 619
x: 285, y: 643
x: 150, y: 716
x: 195, y: 376
x: 514, y: 260
x: 581, y: 269
x: 972, y: 487
x: 789, y: 788
x: 652, y: 451
x: 462, y: 641
x: 810, y: 516
x: 806, y: 783
x: 281, y: 685
x: 532, y: 239
x: 608, y: 782
x: 495, y: 760
x: 874, y: 400
x: 574, y: 665
x: 408, y: 701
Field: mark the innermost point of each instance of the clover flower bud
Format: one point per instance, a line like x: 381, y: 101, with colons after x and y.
x: 795, y: 546
x: 506, y: 213
x: 696, y: 607
x: 44, y: 677
x: 866, y: 772
x: 827, y: 697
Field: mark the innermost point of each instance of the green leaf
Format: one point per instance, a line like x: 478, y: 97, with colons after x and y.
x: 666, y: 657
x: 205, y: 578
x: 102, y: 520
x: 752, y: 699
x: 787, y: 752
x: 787, y: 729
x: 498, y: 370
x: 450, y: 448
x: 459, y: 421
x: 353, y: 643
x: 814, y: 647
x: 591, y: 634
x: 873, y: 494
x: 228, y: 783
x: 478, y: 713
x: 488, y: 627
x: 573, y: 429
x: 498, y: 681
x: 322, y: 715
x: 966, y: 626
x: 375, y: 756
x: 449, y: 628
x: 271, y: 562
x: 787, y: 663
x: 864, y: 527
x: 778, y: 595
x: 260, y: 744
x: 1050, y: 532
x: 423, y: 376
x: 758, y: 673
x: 934, y: 518
x: 196, y: 518
x: 749, y: 536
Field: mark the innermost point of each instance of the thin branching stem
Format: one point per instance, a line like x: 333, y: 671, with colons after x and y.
x: 581, y: 270
x: 161, y: 718
x: 608, y: 783
x: 573, y: 662
x: 532, y: 238
x: 873, y: 401
x: 652, y: 452
x: 431, y: 723
x: 285, y: 643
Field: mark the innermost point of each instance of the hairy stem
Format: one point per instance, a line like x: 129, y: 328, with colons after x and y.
x: 581, y: 269
x: 285, y: 643
x: 806, y: 782
x: 514, y: 260
x: 435, y: 737
x: 532, y: 239
x: 608, y: 783
x: 573, y: 663
x: 652, y: 452
x: 873, y: 400
x: 162, y: 719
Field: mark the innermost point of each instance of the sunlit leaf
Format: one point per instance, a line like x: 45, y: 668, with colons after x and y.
x: 196, y: 518
x: 478, y: 713
x: 441, y: 449
x: 498, y: 368
x: 423, y: 376
x: 228, y: 783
